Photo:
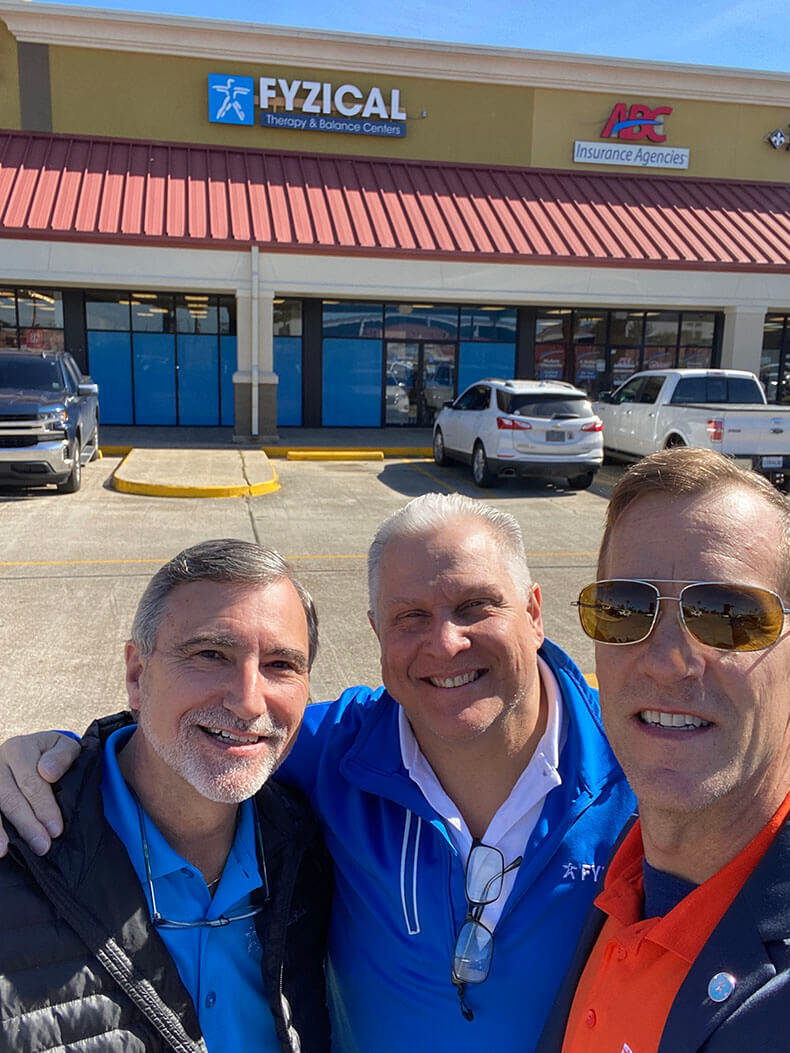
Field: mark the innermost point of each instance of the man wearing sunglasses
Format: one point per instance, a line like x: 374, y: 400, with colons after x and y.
x: 469, y: 806
x: 184, y: 908
x: 688, y: 944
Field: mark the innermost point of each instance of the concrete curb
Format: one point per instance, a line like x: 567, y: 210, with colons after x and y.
x: 334, y: 455
x: 153, y: 489
x: 324, y: 453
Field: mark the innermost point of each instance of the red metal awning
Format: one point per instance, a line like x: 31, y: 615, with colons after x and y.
x: 132, y: 192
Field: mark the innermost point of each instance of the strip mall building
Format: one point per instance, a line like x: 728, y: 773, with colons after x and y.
x: 244, y: 225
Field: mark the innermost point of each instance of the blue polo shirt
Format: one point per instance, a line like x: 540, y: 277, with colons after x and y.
x: 220, y: 966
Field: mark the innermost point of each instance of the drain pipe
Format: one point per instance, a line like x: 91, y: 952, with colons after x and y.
x: 255, y: 340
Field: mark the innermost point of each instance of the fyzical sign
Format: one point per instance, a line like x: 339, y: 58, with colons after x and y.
x: 307, y: 105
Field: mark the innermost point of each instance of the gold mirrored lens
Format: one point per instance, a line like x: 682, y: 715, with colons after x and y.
x: 617, y: 612
x: 732, y: 617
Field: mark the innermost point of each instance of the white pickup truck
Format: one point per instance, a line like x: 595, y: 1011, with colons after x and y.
x: 720, y: 409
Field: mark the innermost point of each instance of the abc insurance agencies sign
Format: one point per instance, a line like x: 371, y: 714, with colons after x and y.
x: 306, y: 106
x: 634, y: 134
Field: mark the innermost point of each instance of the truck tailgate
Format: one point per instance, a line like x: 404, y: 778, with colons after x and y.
x: 750, y: 430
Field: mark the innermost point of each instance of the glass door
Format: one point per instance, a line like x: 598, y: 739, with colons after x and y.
x: 419, y: 379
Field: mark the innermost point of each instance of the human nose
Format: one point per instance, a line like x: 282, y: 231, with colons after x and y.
x: 670, y: 652
x: 448, y: 636
x: 245, y: 695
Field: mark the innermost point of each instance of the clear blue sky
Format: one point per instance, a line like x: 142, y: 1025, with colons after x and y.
x: 749, y: 34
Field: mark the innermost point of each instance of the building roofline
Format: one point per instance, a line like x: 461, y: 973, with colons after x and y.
x: 233, y: 41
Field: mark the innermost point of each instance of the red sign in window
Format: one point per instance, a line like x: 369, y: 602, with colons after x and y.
x: 636, y: 122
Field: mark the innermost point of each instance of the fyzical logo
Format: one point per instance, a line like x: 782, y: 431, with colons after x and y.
x: 636, y: 122
x: 230, y: 99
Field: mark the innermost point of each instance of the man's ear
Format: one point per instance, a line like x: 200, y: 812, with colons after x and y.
x: 373, y: 625
x: 135, y: 666
x: 534, y: 611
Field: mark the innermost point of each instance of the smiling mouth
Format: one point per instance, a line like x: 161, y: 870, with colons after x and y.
x: 675, y: 721
x: 455, y: 681
x: 230, y: 738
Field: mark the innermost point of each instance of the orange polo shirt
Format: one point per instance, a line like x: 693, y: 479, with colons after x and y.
x: 637, y: 965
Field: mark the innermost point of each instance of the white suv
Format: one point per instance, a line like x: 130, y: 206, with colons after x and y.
x: 521, y: 427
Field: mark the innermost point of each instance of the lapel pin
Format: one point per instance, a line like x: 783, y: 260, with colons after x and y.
x: 721, y: 987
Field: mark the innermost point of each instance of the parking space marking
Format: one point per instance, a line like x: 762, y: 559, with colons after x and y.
x: 163, y: 559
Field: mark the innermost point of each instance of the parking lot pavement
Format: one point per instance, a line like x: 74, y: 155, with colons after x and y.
x: 72, y: 568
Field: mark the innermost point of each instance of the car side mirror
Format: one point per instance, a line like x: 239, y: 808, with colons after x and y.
x: 449, y: 402
x: 604, y: 396
x: 88, y: 389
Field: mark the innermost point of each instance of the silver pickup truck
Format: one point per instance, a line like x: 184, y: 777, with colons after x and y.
x: 49, y: 420
x: 720, y: 409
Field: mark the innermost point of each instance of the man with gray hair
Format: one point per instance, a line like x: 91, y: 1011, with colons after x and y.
x: 186, y: 882
x: 469, y: 804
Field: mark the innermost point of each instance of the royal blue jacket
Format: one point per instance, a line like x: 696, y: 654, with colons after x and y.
x: 399, y: 893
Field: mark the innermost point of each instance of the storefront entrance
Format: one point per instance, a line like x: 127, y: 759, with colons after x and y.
x: 420, y: 379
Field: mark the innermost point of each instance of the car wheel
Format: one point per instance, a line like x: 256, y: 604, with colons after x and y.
x: 439, y: 454
x: 581, y: 482
x: 481, y: 473
x: 93, y: 442
x: 72, y: 484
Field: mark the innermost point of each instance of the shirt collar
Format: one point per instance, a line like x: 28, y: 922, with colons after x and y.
x: 120, y: 810
x: 545, y: 759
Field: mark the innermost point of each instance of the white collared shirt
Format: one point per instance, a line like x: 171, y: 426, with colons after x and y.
x: 514, y: 821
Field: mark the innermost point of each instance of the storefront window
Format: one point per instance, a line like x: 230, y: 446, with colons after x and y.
x: 162, y: 358
x: 40, y: 308
x: 7, y: 309
x: 624, y: 361
x: 422, y: 321
x: 152, y: 313
x: 107, y: 311
x: 287, y: 317
x: 697, y: 331
x: 551, y: 339
x: 626, y: 327
x: 589, y: 351
x: 196, y: 313
x: 488, y: 323
x: 227, y: 316
x: 352, y: 320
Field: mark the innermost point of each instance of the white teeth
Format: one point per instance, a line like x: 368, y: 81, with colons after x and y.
x: 226, y: 736
x: 454, y: 681
x: 672, y: 720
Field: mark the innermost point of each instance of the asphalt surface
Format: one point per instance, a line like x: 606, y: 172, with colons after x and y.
x: 72, y: 568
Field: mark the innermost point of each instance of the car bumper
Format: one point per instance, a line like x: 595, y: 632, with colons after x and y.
x: 567, y: 466
x: 46, y: 462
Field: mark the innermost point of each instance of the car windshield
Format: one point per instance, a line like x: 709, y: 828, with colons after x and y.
x: 549, y: 406
x: 20, y: 373
x: 717, y: 389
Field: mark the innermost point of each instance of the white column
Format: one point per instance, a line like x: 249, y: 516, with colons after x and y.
x: 742, y: 341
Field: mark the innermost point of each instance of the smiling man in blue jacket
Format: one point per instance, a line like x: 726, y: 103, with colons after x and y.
x: 470, y: 805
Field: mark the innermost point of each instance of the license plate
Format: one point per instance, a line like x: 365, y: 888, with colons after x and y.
x: 555, y: 436
x: 773, y: 462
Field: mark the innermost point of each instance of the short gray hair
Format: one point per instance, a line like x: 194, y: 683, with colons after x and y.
x: 226, y: 560
x: 431, y: 512
x: 686, y: 471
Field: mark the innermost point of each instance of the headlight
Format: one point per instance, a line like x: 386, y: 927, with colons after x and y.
x: 55, y: 420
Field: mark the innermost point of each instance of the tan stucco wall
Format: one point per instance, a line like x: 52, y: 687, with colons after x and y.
x: 9, y: 81
x: 153, y: 96
x: 726, y: 140
x: 131, y: 95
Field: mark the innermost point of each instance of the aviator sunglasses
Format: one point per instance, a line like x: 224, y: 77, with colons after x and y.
x: 726, y: 616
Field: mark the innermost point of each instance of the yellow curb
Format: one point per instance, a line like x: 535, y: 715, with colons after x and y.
x: 591, y: 679
x: 334, y: 455
x: 115, y: 451
x: 127, y: 486
x: 288, y: 452
x: 408, y: 451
